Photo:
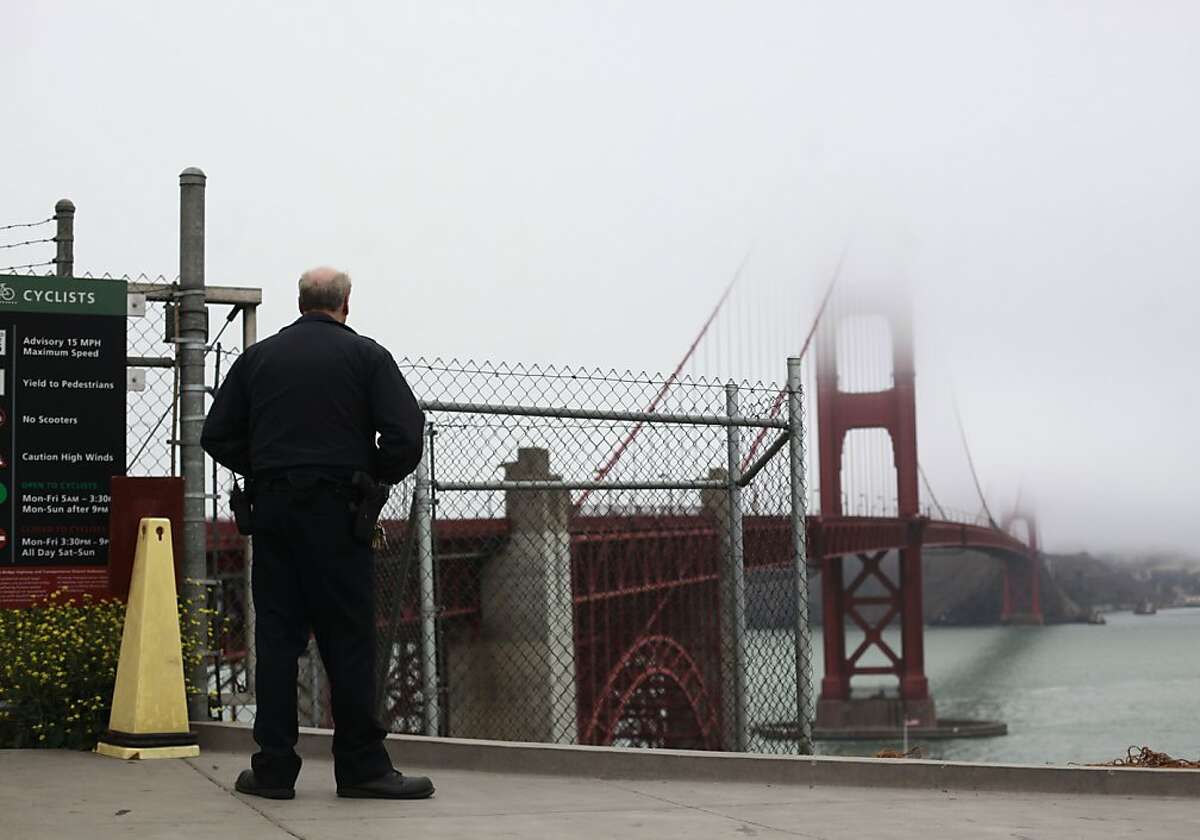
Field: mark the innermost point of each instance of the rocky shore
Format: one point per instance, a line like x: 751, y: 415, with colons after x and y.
x: 965, y: 588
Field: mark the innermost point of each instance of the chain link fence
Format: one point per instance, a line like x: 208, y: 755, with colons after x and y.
x: 584, y: 556
x: 600, y: 558
x: 152, y: 433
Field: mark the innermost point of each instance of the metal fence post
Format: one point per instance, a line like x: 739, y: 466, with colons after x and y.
x: 733, y: 579
x: 249, y: 336
x: 799, y: 528
x: 249, y: 326
x: 423, y: 516
x: 189, y: 354
x: 64, y: 237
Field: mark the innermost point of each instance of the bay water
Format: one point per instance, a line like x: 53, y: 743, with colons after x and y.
x: 1069, y: 693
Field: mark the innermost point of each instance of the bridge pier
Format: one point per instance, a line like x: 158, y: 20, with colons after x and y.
x: 837, y: 710
x: 1023, y: 577
x: 914, y: 686
x: 1022, y: 602
x: 515, y: 679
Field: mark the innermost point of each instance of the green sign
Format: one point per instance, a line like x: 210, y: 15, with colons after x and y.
x: 62, y: 432
x: 62, y: 295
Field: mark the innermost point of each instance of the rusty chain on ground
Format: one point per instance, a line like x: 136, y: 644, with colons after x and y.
x: 1145, y: 757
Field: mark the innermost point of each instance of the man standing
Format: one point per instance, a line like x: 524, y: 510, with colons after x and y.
x: 299, y: 414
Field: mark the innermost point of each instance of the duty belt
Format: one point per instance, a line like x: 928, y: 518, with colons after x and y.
x: 300, y: 482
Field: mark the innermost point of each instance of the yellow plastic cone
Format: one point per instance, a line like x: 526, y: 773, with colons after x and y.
x: 149, y: 710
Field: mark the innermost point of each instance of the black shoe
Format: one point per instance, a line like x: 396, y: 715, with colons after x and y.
x: 247, y: 782
x: 391, y: 786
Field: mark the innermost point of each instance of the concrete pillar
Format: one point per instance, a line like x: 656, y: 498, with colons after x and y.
x: 516, y: 679
x: 719, y: 506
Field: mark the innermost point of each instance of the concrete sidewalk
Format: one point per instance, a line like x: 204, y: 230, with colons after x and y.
x: 59, y: 794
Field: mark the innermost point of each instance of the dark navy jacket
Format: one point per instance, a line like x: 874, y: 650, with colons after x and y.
x: 315, y: 395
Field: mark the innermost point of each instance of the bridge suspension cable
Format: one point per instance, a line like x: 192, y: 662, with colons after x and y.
x: 734, y: 312
x: 608, y: 465
x: 929, y: 489
x: 971, y: 463
x: 812, y: 331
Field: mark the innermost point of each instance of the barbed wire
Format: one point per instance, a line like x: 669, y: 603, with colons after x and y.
x: 27, y: 265
x: 27, y: 242
x: 27, y: 224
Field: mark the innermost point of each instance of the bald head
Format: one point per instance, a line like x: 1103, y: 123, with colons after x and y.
x: 325, y: 290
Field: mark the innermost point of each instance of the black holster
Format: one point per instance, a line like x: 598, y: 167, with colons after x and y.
x: 241, y: 507
x: 369, y: 498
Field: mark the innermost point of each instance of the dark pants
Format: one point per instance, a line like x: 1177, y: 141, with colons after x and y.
x: 310, y: 574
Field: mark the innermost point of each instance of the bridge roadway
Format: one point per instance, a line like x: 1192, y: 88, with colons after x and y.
x: 664, y: 538
x: 826, y: 536
x: 571, y: 792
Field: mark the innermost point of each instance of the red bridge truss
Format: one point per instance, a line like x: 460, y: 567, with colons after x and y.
x: 645, y: 594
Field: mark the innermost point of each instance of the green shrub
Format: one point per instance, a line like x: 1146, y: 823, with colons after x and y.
x: 58, y: 665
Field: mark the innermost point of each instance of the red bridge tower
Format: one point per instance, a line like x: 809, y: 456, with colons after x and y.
x: 894, y: 410
x: 1022, y: 576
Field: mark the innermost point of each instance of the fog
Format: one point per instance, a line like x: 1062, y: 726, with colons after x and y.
x: 577, y: 181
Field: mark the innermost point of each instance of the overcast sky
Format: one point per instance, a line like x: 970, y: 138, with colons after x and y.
x: 576, y: 182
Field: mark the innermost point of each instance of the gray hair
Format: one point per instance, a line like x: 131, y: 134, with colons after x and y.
x: 323, y: 289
